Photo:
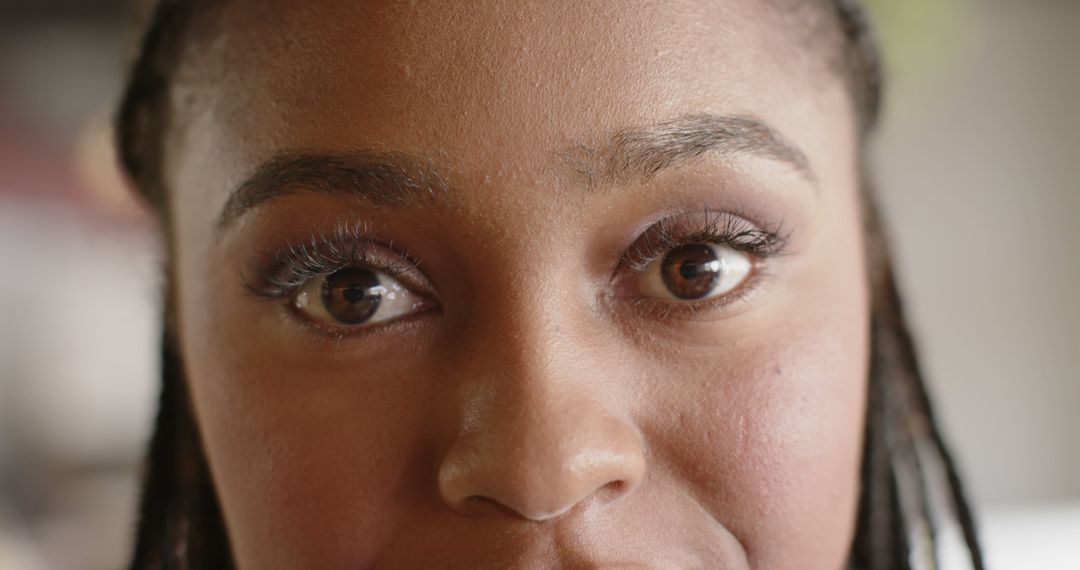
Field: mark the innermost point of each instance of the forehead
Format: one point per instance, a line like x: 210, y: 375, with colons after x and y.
x: 494, y: 86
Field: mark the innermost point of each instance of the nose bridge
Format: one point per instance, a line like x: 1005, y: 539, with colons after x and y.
x: 525, y: 320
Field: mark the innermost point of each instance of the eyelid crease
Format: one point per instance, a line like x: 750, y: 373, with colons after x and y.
x: 279, y: 274
x: 706, y: 226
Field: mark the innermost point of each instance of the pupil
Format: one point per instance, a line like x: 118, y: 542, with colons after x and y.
x: 691, y: 271
x: 352, y: 295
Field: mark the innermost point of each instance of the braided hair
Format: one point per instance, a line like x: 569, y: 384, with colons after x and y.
x: 909, y: 481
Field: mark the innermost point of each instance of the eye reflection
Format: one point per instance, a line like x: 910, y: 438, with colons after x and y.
x: 696, y: 271
x: 355, y: 296
x: 352, y: 295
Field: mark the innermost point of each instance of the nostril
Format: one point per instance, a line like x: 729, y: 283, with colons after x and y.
x: 480, y: 502
x: 540, y: 470
x: 479, y: 505
x: 613, y: 490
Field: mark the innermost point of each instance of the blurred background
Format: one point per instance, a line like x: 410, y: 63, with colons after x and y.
x: 979, y: 168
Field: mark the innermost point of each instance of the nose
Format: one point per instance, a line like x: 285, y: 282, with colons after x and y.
x: 540, y: 455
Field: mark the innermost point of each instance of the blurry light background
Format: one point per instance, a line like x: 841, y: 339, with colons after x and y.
x: 979, y: 168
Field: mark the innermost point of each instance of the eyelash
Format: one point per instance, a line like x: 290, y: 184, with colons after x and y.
x: 705, y: 227
x: 279, y: 275
x: 717, y: 228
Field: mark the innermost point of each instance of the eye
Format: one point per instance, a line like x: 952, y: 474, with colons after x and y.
x: 355, y: 296
x: 696, y: 271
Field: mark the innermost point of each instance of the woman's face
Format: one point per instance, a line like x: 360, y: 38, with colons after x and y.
x: 521, y: 285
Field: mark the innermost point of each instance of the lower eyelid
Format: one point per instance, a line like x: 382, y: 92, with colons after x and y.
x: 719, y: 307
x: 346, y: 332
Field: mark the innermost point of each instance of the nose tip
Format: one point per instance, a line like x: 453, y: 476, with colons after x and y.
x: 540, y: 471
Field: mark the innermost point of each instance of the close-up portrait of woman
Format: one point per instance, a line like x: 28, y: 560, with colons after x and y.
x: 526, y: 284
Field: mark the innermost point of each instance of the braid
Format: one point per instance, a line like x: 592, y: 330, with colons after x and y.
x: 862, y: 62
x: 143, y: 117
x: 180, y: 523
x: 900, y: 420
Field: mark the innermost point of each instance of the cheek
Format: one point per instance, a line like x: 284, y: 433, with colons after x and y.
x: 296, y: 439
x: 776, y: 443
x: 768, y: 429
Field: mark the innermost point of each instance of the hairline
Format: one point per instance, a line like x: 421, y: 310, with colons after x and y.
x: 198, y: 24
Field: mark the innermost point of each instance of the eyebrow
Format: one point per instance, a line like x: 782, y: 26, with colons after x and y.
x: 402, y: 179
x: 637, y: 155
x: 381, y: 178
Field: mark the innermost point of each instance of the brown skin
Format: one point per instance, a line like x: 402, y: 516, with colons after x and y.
x: 533, y: 414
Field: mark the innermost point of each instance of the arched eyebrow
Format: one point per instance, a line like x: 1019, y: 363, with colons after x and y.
x: 637, y: 155
x: 406, y: 180
x: 381, y: 178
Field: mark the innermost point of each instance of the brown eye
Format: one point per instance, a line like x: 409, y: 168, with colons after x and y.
x: 691, y: 271
x: 696, y: 271
x: 352, y: 295
x: 355, y: 296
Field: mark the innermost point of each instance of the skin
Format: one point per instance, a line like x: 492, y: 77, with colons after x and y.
x: 534, y: 415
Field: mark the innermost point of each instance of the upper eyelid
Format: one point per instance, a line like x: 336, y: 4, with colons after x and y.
x: 282, y: 272
x: 352, y: 244
x: 713, y: 227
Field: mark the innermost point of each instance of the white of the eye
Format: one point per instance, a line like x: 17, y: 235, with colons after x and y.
x: 735, y: 268
x: 396, y: 301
